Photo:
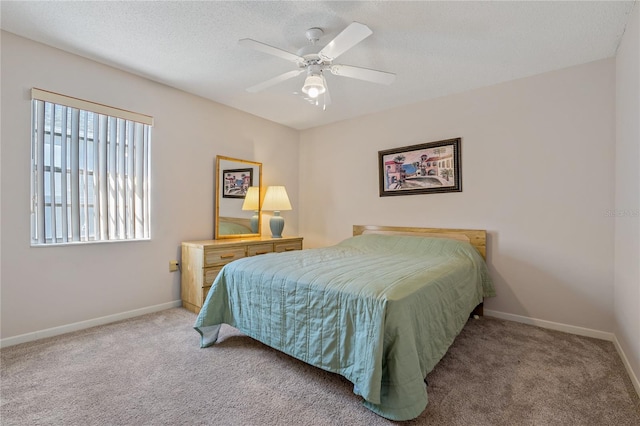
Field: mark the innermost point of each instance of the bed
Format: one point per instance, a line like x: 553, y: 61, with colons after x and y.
x: 380, y: 308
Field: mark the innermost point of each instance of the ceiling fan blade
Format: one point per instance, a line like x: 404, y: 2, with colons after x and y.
x: 247, y: 42
x: 274, y: 80
x: 349, y: 37
x: 366, y: 74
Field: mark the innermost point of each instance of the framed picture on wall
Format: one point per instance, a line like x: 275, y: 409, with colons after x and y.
x: 427, y: 168
x: 236, y: 182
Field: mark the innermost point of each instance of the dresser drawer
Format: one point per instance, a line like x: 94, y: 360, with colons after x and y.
x: 222, y: 256
x: 256, y: 249
x: 210, y: 275
x: 279, y: 247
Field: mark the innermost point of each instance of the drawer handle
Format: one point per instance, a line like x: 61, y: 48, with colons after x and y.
x: 261, y: 252
x: 289, y: 249
x: 227, y: 256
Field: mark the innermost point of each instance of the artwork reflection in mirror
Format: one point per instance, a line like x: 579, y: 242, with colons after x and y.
x: 237, y: 198
x: 237, y: 182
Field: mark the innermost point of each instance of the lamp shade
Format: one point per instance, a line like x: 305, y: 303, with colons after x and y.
x: 313, y: 86
x: 276, y: 199
x: 252, y: 199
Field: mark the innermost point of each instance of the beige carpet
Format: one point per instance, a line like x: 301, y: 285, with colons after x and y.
x: 150, y: 371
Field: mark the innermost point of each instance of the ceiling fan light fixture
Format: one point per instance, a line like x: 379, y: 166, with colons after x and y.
x: 313, y: 86
x: 315, y: 62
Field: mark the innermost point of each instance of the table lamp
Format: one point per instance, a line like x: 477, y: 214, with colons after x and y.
x: 252, y: 202
x: 276, y: 200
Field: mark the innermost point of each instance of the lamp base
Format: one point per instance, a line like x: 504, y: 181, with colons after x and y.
x: 254, y: 222
x: 276, y: 223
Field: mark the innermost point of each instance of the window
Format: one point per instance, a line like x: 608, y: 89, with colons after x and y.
x: 89, y: 171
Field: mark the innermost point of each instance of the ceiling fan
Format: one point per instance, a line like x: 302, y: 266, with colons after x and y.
x: 315, y: 62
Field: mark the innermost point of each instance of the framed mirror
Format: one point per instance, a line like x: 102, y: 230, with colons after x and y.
x: 237, y: 212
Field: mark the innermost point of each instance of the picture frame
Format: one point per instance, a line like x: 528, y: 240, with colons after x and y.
x: 427, y: 168
x: 236, y: 182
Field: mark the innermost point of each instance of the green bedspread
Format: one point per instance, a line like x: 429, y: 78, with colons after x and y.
x: 379, y: 310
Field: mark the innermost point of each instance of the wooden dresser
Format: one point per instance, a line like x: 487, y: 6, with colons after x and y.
x: 202, y: 260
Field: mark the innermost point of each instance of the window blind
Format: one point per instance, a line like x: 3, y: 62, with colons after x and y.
x: 90, y: 171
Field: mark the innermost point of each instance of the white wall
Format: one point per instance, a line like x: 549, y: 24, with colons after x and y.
x: 538, y: 174
x: 627, y: 198
x: 49, y: 287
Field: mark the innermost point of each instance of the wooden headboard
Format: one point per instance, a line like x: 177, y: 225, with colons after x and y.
x: 476, y: 237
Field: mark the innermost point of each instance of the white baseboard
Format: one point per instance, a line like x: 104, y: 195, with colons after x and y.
x: 572, y: 329
x: 627, y: 365
x: 580, y: 331
x: 56, y: 331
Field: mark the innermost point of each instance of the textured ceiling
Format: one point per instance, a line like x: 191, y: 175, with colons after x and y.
x: 434, y: 48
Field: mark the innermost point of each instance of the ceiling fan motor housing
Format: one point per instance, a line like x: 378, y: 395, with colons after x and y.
x: 314, y: 69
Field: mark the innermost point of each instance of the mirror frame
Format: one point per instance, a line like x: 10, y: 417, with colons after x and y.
x: 219, y: 197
